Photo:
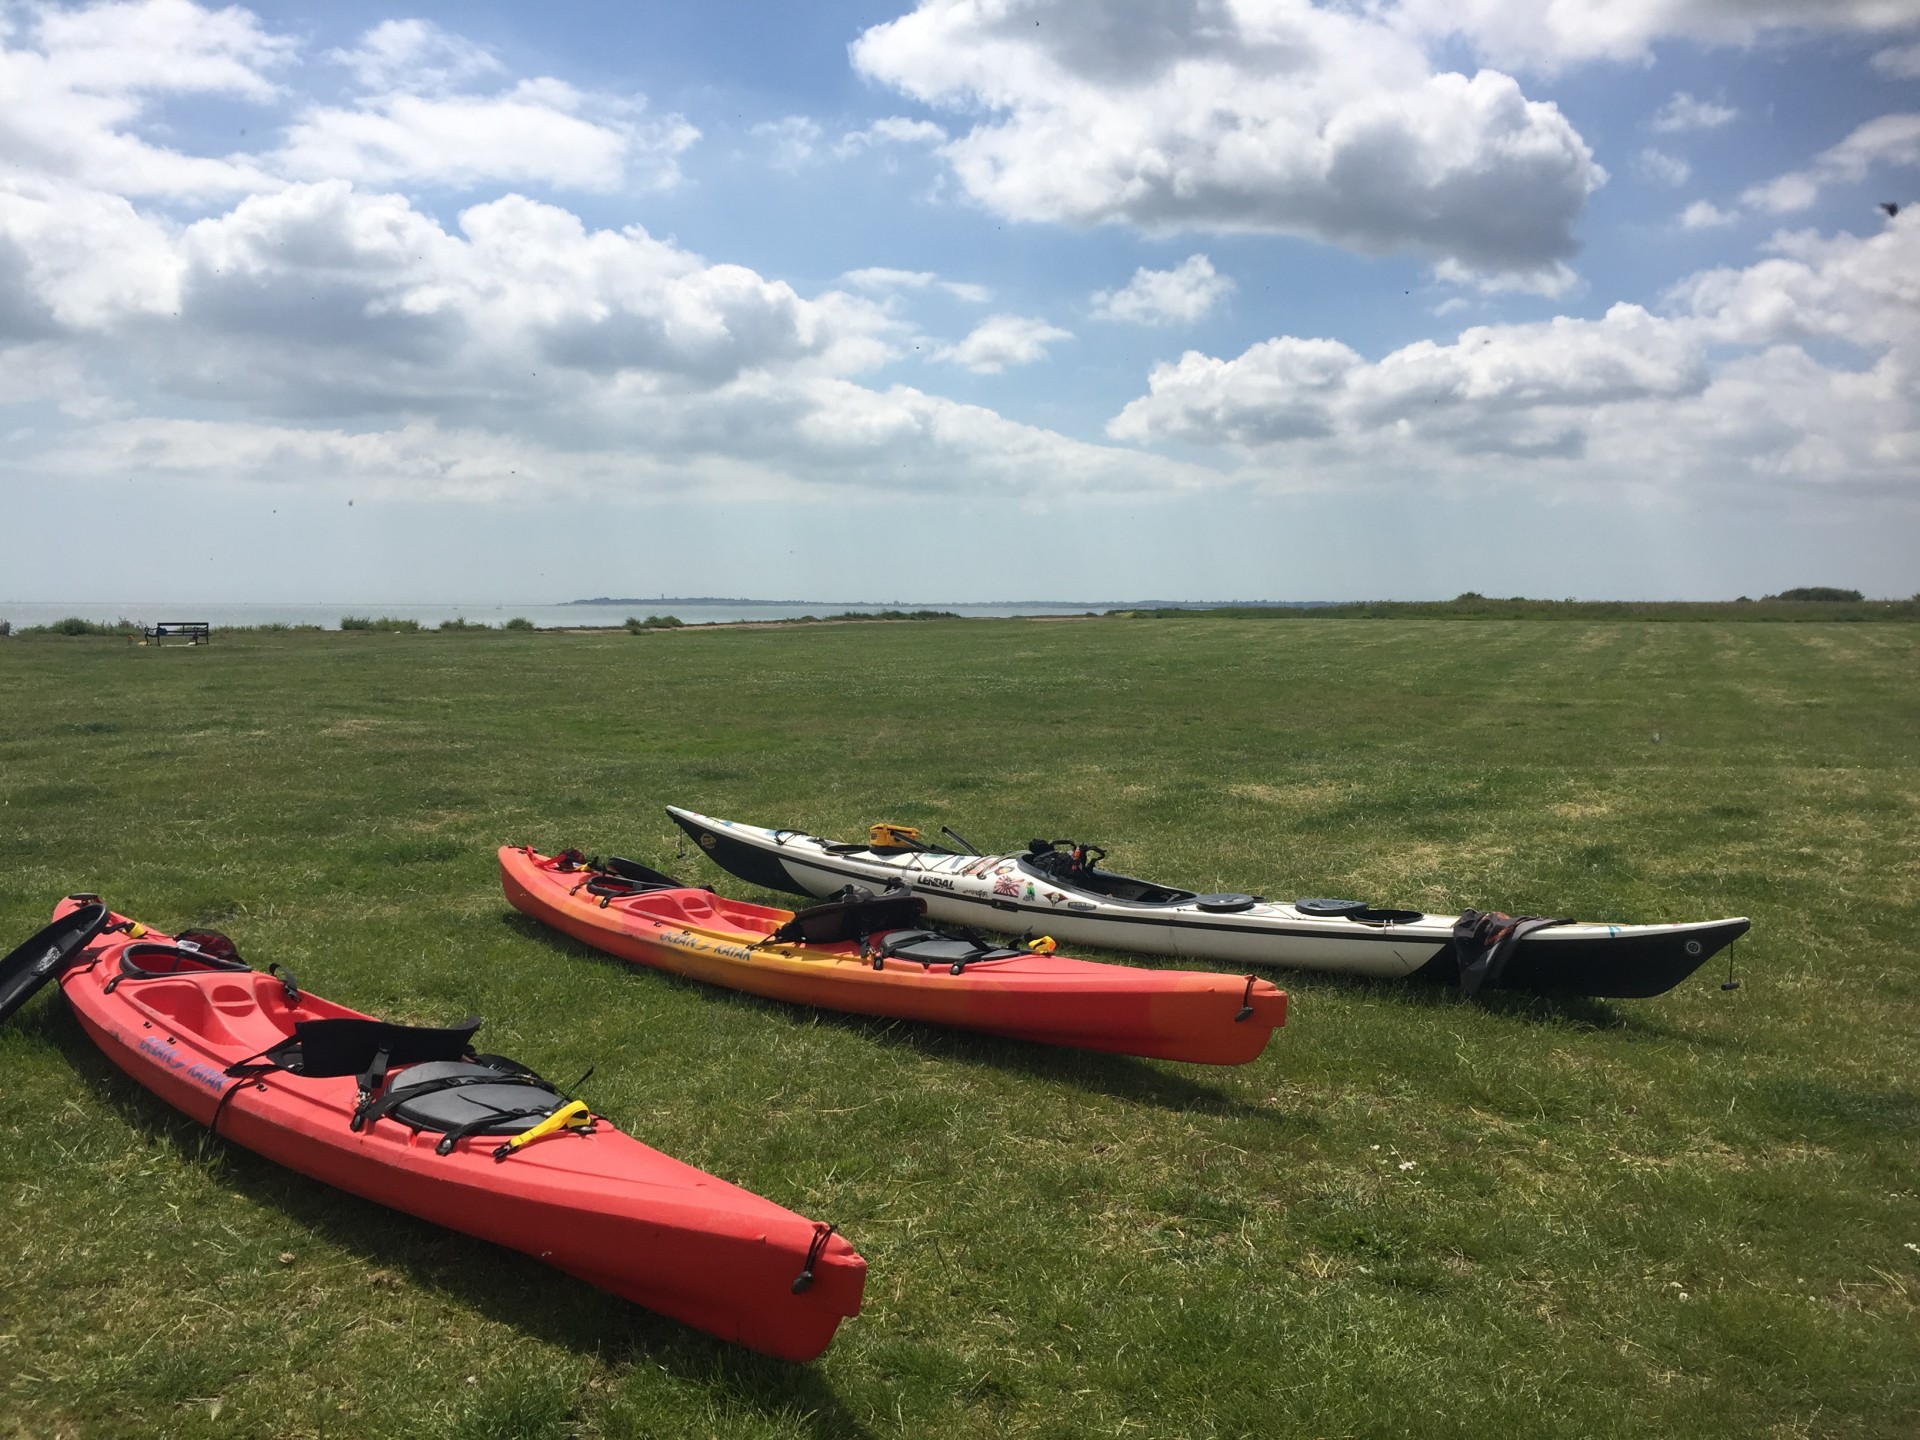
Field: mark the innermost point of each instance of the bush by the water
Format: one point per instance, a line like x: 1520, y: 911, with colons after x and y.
x: 875, y: 615
x: 460, y: 622
x: 654, y: 622
x: 385, y: 622
x: 1817, y: 592
x: 518, y: 622
x: 74, y: 625
x: 1790, y: 605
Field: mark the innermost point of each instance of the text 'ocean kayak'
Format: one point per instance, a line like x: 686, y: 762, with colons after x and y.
x: 1058, y: 888
x: 410, y: 1117
x: 875, y: 957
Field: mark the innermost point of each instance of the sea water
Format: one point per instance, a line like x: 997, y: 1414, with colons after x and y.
x: 329, y: 613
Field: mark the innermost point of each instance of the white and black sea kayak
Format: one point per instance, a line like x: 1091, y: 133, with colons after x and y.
x: 1057, y: 889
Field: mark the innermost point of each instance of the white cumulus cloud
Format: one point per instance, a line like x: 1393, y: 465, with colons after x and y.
x: 1259, y: 115
x: 1719, y: 389
x: 538, y: 132
x: 1898, y: 62
x: 1683, y: 112
x: 414, y: 55
x: 1547, y: 37
x: 1705, y: 215
x: 78, y: 86
x: 1889, y: 140
x: 1163, y: 297
x: 333, y: 332
x: 1511, y: 388
x: 891, y: 130
x: 883, y: 279
x: 1663, y: 169
x: 1003, y: 340
x: 792, y: 142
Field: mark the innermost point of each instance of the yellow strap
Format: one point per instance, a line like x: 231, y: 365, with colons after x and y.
x: 136, y: 930
x: 574, y: 1115
x: 1043, y: 945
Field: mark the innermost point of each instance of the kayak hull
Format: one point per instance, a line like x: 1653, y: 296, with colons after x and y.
x: 1008, y: 894
x: 598, y: 1205
x: 1050, y: 999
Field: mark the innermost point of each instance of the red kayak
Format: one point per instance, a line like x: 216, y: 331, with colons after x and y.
x: 410, y: 1117
x: 872, y: 955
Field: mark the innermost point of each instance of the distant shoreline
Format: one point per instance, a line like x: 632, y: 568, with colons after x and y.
x: 1051, y: 605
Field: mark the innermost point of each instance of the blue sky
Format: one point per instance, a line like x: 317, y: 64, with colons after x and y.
x: 976, y: 299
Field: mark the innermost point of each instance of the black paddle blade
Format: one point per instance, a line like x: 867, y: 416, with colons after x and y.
x: 29, y: 967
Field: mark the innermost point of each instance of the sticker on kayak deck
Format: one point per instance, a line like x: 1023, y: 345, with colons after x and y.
x: 1029, y: 891
x: 706, y: 840
x: 974, y: 867
x: 1007, y: 885
x: 1054, y: 897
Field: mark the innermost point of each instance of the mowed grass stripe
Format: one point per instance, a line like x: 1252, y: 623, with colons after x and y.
x: 1412, y: 1216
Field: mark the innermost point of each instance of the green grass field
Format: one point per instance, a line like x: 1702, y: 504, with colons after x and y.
x: 1693, y: 1215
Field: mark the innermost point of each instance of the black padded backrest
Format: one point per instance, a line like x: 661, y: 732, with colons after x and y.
x: 860, y: 914
x: 349, y: 1046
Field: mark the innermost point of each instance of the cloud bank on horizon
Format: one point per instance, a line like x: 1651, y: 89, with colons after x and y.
x: 402, y: 262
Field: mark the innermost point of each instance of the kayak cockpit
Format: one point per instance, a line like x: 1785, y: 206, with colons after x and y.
x: 701, y: 909
x: 247, y: 1012
x: 1066, y: 863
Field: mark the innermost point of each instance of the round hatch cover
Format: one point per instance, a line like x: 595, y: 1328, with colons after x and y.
x: 1225, y: 904
x: 1331, y: 908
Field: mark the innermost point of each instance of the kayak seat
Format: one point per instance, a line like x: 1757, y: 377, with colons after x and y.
x: 930, y: 948
x: 853, y: 914
x: 482, y: 1095
x: 1078, y: 866
x: 442, y: 1086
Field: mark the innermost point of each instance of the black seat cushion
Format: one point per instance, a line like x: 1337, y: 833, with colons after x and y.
x: 487, y: 1101
x: 929, y: 947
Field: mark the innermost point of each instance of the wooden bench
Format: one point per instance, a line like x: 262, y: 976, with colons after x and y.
x: 194, y: 632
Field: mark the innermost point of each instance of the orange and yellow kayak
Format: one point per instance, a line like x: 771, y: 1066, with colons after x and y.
x: 874, y: 956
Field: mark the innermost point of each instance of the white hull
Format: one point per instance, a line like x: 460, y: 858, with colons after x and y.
x: 1008, y: 894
